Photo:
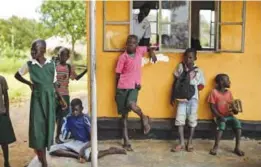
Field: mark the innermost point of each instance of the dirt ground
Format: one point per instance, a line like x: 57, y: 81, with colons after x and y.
x: 147, y: 153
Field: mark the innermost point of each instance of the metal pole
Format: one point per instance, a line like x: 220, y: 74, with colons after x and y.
x: 93, y: 84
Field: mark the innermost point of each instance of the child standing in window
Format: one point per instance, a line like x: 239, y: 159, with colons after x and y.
x: 7, y: 135
x: 219, y: 100
x: 42, y: 108
x: 128, y: 78
x: 187, y: 106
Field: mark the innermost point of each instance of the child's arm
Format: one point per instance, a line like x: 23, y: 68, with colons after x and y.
x: 214, y: 110
x: 152, y: 55
x: 6, y: 97
x: 21, y: 79
x: 60, y: 98
x: 81, y: 75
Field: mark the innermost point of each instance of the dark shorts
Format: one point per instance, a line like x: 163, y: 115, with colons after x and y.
x: 230, y: 120
x: 123, y: 99
x: 7, y: 135
x: 60, y: 114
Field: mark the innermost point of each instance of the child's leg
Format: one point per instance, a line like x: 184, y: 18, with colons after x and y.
x: 145, y: 119
x: 125, y: 136
x: 42, y: 157
x: 180, y: 123
x: 238, y: 131
x: 6, y: 154
x: 219, y: 133
x: 112, y: 150
x: 65, y: 153
x: 192, y: 118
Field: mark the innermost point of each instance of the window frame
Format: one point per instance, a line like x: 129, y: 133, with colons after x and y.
x: 218, y: 23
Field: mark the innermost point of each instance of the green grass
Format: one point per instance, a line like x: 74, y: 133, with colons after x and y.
x: 10, y: 66
x: 19, y: 92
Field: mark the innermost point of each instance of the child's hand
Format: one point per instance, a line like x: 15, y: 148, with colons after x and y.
x: 63, y: 104
x: 200, y: 87
x: 154, y: 58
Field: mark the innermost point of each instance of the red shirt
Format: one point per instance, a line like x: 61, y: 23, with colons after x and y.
x: 130, y: 68
x: 221, y: 101
x: 63, y: 78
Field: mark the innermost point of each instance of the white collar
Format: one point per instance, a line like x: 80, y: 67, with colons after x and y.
x: 34, y: 61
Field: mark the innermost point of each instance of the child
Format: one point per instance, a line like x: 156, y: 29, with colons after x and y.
x: 42, y: 109
x: 79, y: 147
x: 219, y: 100
x: 7, y: 135
x: 187, y: 108
x: 128, y: 77
x: 64, y: 73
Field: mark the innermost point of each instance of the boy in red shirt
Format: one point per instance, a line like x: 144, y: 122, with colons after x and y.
x: 219, y: 100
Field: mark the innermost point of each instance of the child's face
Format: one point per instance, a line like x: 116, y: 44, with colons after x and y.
x: 40, y: 50
x: 189, y: 59
x: 132, y: 43
x: 77, y: 110
x: 226, y: 82
x: 64, y: 56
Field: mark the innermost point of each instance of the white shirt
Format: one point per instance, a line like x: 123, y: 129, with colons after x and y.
x: 142, y: 29
x: 25, y: 69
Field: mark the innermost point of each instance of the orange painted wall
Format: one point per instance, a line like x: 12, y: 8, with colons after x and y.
x: 244, y: 69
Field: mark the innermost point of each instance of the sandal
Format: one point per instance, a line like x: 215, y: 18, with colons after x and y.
x: 147, y: 127
x: 127, y: 147
x: 190, y: 148
x: 213, y: 152
x: 239, y: 152
x: 178, y: 148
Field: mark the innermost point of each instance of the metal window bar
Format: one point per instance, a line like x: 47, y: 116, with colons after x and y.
x: 105, y: 23
x: 242, y: 24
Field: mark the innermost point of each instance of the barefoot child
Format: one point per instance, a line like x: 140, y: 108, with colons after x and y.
x: 187, y: 105
x: 42, y: 109
x: 7, y: 135
x: 128, y: 77
x: 78, y: 124
x: 64, y: 73
x: 219, y: 100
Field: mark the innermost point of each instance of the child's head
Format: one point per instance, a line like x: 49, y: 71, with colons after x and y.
x: 144, y: 10
x: 132, y: 43
x: 77, y: 107
x: 38, y: 48
x: 63, y: 55
x: 190, y: 56
x: 222, y: 81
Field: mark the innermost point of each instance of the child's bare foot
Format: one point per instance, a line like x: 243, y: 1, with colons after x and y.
x: 82, y: 160
x: 58, y: 141
x: 190, y: 148
x: 178, y: 148
x: 115, y: 150
x: 238, y: 152
x: 146, y: 124
x: 127, y: 147
x: 213, y: 151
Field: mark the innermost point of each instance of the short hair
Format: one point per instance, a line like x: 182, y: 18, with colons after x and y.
x: 219, y: 77
x: 146, y: 5
x: 62, y: 50
x: 76, y: 101
x: 37, y: 41
x: 191, y: 50
x: 133, y: 36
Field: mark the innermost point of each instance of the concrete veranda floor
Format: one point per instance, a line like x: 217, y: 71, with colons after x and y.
x: 156, y: 153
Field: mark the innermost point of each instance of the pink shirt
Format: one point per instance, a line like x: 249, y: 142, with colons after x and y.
x: 130, y: 68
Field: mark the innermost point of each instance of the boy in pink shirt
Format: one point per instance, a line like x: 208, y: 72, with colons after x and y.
x: 128, y: 79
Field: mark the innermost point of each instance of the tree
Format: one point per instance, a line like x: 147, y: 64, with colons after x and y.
x: 65, y: 18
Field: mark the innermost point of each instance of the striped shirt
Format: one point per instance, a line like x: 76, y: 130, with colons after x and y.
x: 63, y: 78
